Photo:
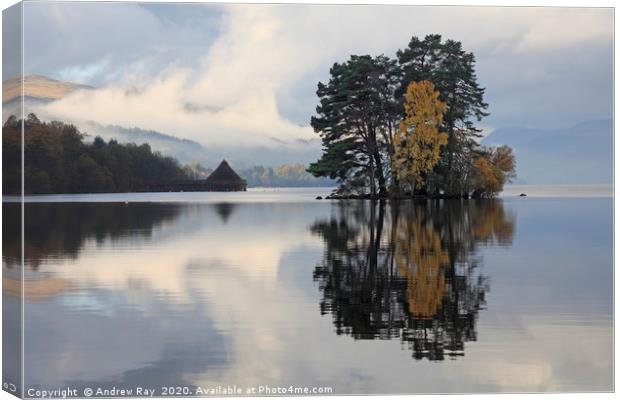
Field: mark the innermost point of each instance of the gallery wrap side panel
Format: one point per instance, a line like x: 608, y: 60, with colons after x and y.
x: 12, y: 200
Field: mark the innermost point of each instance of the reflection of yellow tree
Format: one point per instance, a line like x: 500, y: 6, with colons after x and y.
x: 493, y: 224
x: 421, y: 259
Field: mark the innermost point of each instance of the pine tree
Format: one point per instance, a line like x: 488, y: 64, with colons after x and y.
x: 356, y: 118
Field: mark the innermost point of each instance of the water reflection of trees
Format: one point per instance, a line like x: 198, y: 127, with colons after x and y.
x: 409, y: 270
x: 59, y: 230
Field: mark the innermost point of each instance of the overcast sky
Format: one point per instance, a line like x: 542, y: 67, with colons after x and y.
x: 246, y: 73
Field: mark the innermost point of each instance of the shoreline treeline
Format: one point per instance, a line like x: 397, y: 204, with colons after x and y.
x: 406, y: 126
x: 287, y: 175
x: 60, y: 160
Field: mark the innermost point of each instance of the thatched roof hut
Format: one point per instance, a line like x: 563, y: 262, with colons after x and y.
x: 225, y: 179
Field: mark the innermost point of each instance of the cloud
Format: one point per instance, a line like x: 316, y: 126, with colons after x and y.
x: 255, y: 79
x: 162, y: 104
x: 83, y: 73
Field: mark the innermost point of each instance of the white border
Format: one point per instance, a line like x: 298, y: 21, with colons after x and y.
x: 511, y: 3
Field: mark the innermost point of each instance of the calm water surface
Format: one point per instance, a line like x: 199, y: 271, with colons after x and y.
x: 276, y: 288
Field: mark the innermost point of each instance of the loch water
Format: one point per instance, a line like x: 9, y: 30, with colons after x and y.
x: 274, y: 288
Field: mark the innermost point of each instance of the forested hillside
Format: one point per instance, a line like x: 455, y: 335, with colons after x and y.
x: 58, y: 160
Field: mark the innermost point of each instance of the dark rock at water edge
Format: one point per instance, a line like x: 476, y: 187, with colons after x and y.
x: 334, y: 196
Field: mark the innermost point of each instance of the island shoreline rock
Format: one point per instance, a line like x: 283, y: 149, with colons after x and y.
x: 401, y: 197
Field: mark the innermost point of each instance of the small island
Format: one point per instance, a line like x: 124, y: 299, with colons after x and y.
x: 405, y: 127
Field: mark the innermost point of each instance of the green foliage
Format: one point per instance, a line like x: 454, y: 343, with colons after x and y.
x: 337, y: 161
x: 57, y: 160
x: 355, y: 116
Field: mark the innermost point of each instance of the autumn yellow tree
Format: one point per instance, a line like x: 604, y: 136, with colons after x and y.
x: 492, y: 170
x: 418, y: 141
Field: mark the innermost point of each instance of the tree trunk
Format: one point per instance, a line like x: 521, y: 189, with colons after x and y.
x: 395, y: 183
x: 449, y: 175
x: 373, y: 189
x: 451, y: 139
x: 380, y: 176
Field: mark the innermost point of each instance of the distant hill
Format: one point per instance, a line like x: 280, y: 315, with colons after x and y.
x: 580, y: 154
x: 191, y: 152
x: 37, y: 87
x: 38, y: 90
